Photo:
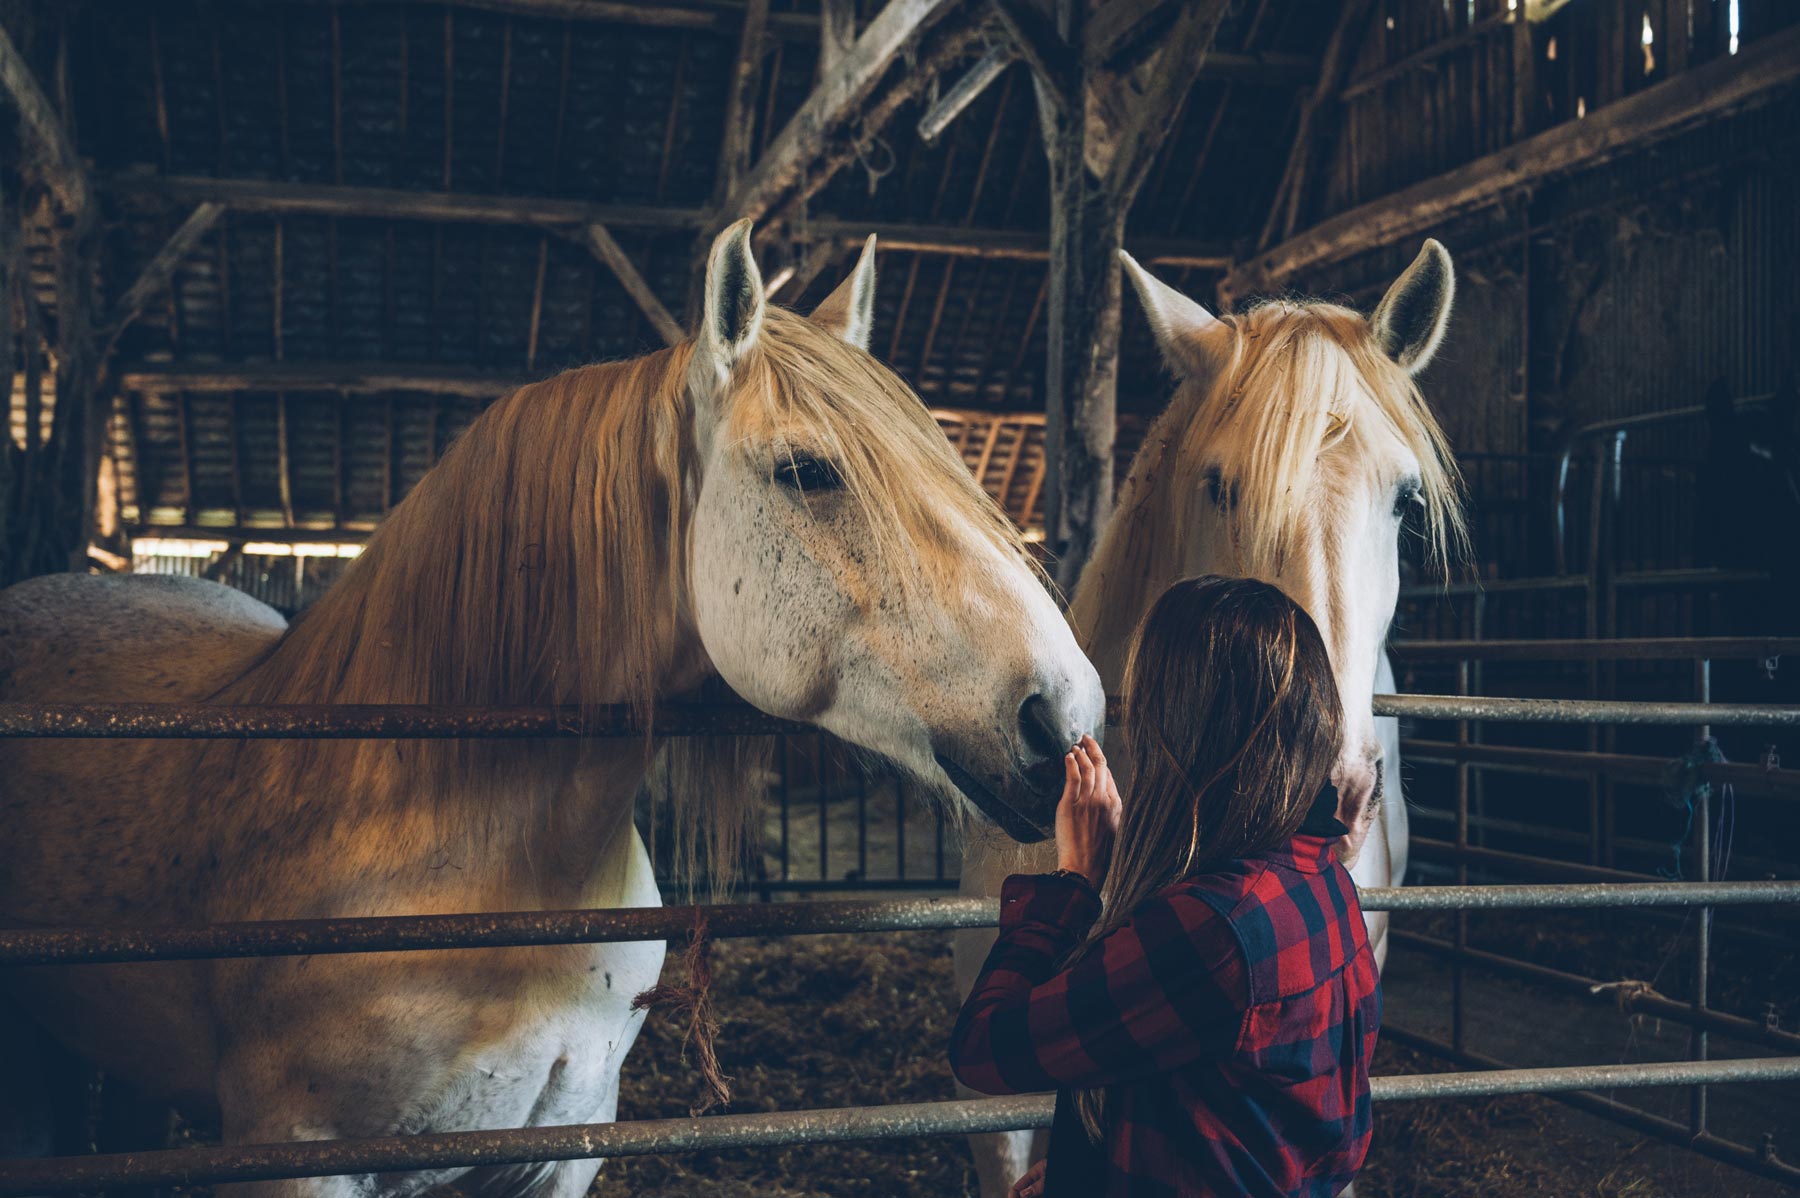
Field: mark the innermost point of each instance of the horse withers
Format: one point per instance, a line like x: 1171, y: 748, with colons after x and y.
x: 765, y: 504
x: 1295, y: 449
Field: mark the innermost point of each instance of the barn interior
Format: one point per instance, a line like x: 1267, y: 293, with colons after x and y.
x: 264, y: 262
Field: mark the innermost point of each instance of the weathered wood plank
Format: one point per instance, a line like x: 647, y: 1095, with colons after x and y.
x: 601, y: 242
x: 1703, y: 93
x: 740, y: 102
x: 348, y: 377
x: 838, y: 97
x: 43, y: 127
x: 1340, y: 53
x: 160, y: 270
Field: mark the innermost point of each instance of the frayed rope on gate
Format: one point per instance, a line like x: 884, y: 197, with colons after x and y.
x: 693, y: 1001
x: 1626, y: 991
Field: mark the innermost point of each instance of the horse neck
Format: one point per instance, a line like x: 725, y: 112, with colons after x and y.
x: 526, y: 568
x: 480, y: 589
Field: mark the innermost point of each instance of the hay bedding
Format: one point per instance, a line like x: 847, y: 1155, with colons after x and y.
x: 857, y: 1021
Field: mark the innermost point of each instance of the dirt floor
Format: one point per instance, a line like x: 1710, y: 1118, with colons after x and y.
x: 840, y: 1021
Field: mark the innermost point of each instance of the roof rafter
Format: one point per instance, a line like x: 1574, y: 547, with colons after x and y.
x: 1702, y: 93
x: 160, y: 270
x: 789, y: 170
x: 288, y: 199
x: 598, y: 240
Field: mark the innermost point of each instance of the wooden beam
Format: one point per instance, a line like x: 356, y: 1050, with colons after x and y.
x: 740, y: 103
x: 160, y: 270
x: 44, y: 131
x: 1177, y: 65
x: 1763, y: 69
x: 259, y: 196
x: 700, y: 16
x: 237, y: 534
x: 965, y: 91
x: 1115, y: 26
x: 314, y: 199
x: 837, y: 33
x: 1037, y: 40
x: 1340, y: 54
x: 1023, y: 245
x: 311, y: 199
x: 812, y: 264
x: 348, y: 377
x: 625, y: 270
x: 838, y: 98
x: 1087, y: 219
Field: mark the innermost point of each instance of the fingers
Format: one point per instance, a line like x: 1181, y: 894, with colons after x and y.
x: 1031, y: 1185
x: 1088, y: 771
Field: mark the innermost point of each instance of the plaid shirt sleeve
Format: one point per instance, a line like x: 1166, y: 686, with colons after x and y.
x: 1166, y: 988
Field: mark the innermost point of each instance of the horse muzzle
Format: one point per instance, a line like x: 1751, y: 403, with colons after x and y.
x: 1016, y: 806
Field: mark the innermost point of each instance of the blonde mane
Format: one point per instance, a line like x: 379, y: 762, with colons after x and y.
x: 543, y: 561
x: 1286, y: 392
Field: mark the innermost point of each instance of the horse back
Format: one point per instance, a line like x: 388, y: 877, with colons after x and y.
x: 74, y: 638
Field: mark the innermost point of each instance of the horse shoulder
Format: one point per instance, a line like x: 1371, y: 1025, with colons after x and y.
x: 94, y: 638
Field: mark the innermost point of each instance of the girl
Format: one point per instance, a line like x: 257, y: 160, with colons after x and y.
x: 1203, y: 999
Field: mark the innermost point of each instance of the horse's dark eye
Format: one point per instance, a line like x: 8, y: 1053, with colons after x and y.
x: 1406, y: 500
x: 807, y: 474
x: 1224, y: 495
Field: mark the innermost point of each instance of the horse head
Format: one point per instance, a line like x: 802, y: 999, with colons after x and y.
x: 846, y: 570
x: 1300, y: 449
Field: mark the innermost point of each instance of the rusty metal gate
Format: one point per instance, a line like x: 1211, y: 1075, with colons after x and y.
x: 290, y: 938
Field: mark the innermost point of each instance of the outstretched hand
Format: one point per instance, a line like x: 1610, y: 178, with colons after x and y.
x: 1029, y: 1186
x: 1087, y: 817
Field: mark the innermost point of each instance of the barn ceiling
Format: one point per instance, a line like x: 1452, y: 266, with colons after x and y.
x: 402, y: 180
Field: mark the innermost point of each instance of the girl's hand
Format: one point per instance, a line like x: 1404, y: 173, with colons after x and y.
x: 1087, y: 817
x: 1029, y: 1186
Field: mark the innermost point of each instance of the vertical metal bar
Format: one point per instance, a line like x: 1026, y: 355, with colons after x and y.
x: 1462, y: 868
x: 900, y: 828
x: 1697, y: 1042
x: 782, y: 791
x: 862, y: 824
x: 1477, y: 683
x: 818, y: 762
x: 938, y: 810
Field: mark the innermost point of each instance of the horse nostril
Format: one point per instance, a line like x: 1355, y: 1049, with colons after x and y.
x: 1041, y: 729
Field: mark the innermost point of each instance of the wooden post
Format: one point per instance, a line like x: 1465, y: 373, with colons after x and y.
x: 1101, y: 133
x: 52, y: 533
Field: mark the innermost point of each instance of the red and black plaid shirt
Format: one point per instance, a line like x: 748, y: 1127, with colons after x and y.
x: 1231, y: 1021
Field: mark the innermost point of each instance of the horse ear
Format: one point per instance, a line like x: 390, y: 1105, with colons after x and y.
x: 1180, y: 324
x: 849, y: 311
x: 1409, y: 322
x: 731, y: 316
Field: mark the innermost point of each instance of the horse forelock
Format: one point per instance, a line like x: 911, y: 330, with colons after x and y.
x: 918, y: 501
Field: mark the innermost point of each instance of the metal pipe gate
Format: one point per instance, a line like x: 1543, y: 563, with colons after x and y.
x: 410, y: 933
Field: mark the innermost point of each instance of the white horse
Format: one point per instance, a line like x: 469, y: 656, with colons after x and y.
x: 766, y: 504
x: 1293, y: 450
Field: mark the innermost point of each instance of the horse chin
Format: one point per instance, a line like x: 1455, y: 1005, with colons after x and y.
x: 1359, y: 807
x: 1017, y: 825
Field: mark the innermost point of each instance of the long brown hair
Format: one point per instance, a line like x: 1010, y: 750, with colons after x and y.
x: 1232, y: 723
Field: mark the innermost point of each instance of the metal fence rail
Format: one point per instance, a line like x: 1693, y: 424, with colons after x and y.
x: 1602, y: 887
x: 448, y: 1150
x: 513, y: 929
x: 403, y: 721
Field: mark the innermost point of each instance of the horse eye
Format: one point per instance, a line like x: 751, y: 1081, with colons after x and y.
x: 806, y: 474
x: 1224, y: 495
x: 1406, y: 498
